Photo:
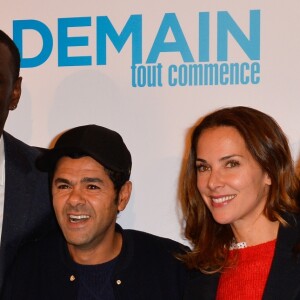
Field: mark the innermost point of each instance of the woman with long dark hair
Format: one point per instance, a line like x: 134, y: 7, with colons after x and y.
x: 241, y: 217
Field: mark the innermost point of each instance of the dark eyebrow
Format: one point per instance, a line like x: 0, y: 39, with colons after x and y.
x: 91, y: 180
x: 229, y: 156
x: 61, y: 180
x: 201, y: 160
x: 221, y: 159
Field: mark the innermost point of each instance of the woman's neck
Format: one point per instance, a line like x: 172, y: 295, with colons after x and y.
x: 254, y: 233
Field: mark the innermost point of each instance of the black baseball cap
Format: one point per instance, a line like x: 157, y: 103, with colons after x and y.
x: 102, y: 144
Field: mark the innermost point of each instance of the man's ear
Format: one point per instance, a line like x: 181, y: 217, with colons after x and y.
x: 16, y: 94
x: 124, y: 195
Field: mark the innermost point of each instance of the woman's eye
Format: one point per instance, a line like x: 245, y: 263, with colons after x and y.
x: 232, y: 164
x: 202, y: 168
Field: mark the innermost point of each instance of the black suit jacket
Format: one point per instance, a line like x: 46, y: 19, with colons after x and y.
x: 284, y: 279
x: 27, y: 206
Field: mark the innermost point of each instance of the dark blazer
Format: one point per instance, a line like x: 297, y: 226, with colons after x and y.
x: 27, y: 207
x: 284, y: 279
x: 146, y: 269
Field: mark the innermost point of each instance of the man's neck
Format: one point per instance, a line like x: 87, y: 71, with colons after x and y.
x: 97, y: 255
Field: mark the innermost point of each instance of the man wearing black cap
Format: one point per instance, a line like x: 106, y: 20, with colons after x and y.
x: 94, y: 258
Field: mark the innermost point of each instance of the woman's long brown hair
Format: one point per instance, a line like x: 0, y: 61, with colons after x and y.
x: 268, y: 145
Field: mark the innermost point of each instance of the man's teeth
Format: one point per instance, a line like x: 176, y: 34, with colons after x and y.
x: 222, y: 199
x: 79, y: 218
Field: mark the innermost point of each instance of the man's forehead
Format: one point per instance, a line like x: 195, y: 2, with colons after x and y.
x: 6, y: 56
x: 71, y: 159
x: 84, y: 179
x: 80, y: 167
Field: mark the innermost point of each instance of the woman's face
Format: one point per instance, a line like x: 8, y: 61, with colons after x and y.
x: 232, y: 184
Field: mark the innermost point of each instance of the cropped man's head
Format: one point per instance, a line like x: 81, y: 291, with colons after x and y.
x: 10, y: 81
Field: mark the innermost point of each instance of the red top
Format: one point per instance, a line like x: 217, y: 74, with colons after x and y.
x: 247, y: 279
